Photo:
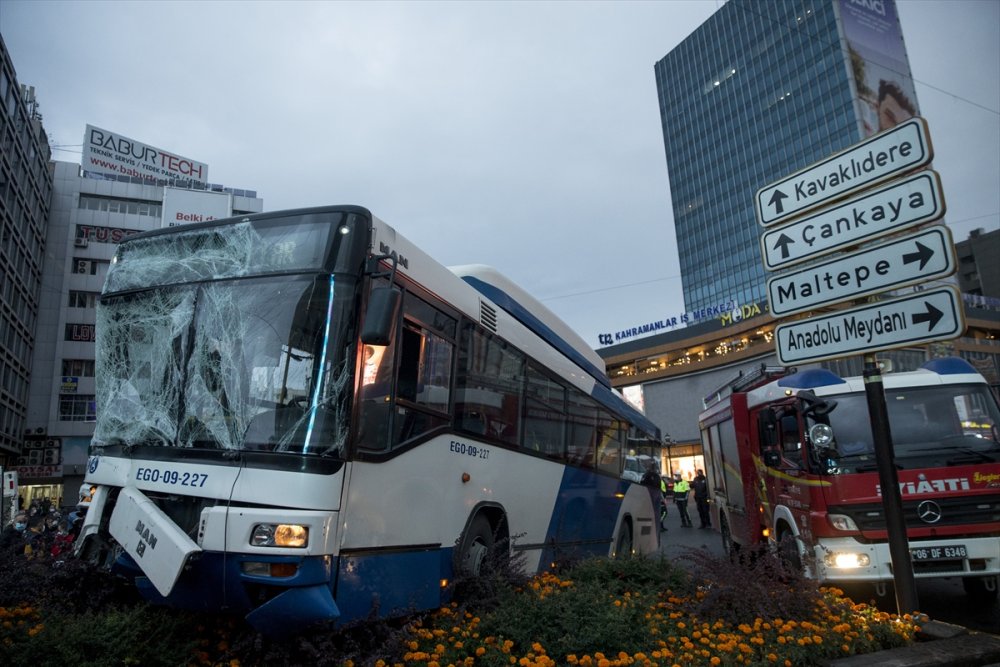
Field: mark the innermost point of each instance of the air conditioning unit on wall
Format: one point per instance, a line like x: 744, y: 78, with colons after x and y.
x: 80, y: 243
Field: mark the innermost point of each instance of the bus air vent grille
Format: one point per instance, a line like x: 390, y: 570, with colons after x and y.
x: 488, y: 316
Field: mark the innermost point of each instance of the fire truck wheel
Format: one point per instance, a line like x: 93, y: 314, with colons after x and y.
x: 979, y: 589
x: 788, y: 549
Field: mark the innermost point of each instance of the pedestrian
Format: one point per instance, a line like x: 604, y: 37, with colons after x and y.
x: 663, y: 503
x: 681, y: 489
x: 651, y: 480
x: 700, y: 488
x: 14, y: 533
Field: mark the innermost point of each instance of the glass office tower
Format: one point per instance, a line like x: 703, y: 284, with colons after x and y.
x: 758, y: 91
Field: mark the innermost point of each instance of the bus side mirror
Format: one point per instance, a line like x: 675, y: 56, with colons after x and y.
x: 381, y: 316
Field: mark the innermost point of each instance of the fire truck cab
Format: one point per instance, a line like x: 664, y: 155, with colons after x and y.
x: 792, y: 464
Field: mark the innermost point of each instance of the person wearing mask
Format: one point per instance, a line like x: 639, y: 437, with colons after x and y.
x: 14, y: 533
x: 700, y: 488
x: 681, y: 490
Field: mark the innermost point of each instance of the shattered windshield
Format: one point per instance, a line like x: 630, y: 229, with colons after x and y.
x: 195, y: 351
x: 931, y: 426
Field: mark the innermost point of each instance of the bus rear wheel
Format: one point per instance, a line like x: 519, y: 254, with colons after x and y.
x: 476, y: 546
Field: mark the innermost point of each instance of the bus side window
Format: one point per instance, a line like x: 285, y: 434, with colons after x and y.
x: 488, y: 392
x: 609, y: 443
x: 423, y: 380
x: 544, y: 415
x: 581, y: 447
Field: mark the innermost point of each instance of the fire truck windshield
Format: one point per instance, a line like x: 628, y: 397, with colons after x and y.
x: 931, y: 426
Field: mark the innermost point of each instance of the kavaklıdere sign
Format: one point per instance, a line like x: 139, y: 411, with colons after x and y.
x: 105, y: 152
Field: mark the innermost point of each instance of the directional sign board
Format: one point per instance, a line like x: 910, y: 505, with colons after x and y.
x: 909, y: 202
x: 921, y: 317
x: 896, y: 151
x: 926, y: 255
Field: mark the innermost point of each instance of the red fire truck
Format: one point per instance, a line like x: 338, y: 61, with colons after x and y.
x: 791, y: 464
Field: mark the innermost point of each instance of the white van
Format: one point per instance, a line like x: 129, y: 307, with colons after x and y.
x: 636, y: 467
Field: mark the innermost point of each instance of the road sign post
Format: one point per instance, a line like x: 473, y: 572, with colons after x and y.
x: 892, y: 501
x: 892, y: 153
x: 921, y: 317
x: 926, y: 255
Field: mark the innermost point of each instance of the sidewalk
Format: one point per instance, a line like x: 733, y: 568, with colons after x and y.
x: 676, y: 540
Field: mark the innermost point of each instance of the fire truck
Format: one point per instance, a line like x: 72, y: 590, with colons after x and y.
x: 793, y: 467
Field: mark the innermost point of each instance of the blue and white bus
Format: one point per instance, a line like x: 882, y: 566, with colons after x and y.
x: 301, y: 416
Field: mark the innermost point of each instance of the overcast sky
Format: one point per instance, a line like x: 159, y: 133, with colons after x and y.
x: 524, y: 135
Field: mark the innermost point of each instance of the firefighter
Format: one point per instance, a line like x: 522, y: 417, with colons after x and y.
x: 681, y: 490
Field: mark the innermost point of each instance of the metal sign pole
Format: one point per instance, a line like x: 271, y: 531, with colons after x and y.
x: 892, y: 503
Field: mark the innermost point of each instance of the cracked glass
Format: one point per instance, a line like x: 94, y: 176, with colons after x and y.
x: 196, y: 352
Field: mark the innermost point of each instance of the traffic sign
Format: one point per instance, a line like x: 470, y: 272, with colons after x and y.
x: 926, y: 255
x: 921, y: 317
x: 896, y: 151
x: 909, y: 202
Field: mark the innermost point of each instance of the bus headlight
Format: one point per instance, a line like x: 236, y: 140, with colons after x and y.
x: 842, y: 522
x: 846, y: 560
x: 279, y: 535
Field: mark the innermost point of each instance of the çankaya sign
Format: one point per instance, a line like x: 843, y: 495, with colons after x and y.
x: 921, y: 317
x: 926, y: 255
x: 911, y: 201
x: 896, y: 151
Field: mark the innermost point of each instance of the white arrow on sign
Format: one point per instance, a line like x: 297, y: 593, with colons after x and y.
x: 926, y: 255
x: 909, y: 202
x: 921, y: 317
x: 896, y: 151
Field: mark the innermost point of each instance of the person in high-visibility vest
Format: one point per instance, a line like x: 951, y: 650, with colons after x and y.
x: 681, y: 490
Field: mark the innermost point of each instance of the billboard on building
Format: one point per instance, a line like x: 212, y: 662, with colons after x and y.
x: 879, y: 64
x: 105, y: 152
x: 183, y: 207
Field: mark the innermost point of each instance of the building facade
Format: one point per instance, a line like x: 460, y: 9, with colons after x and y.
x: 978, y: 268
x: 757, y: 92
x: 25, y: 188
x: 90, y: 213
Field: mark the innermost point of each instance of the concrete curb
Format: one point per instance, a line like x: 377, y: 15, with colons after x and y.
x: 938, y: 645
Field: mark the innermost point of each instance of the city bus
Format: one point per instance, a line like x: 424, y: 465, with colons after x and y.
x: 303, y: 417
